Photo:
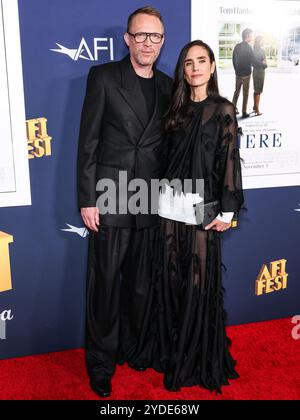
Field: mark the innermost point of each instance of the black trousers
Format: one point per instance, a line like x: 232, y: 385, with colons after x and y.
x: 119, y: 278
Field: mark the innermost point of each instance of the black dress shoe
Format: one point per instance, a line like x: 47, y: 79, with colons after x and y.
x: 245, y: 115
x: 170, y: 387
x: 101, y: 387
x: 136, y: 367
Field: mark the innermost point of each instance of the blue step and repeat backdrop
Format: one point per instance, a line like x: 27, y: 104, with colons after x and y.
x: 43, y: 245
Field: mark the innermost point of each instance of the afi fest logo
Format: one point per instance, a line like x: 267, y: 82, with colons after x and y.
x: 86, y: 52
x: 5, y: 272
x: 5, y: 279
x: 38, y: 140
x: 272, y: 279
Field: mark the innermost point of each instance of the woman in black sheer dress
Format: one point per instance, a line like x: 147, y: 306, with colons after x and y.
x: 184, y: 328
x: 203, y: 140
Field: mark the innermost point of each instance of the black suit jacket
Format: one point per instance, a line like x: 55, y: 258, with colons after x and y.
x: 116, y: 134
x: 242, y: 59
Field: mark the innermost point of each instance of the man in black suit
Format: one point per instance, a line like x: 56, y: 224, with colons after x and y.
x: 242, y: 59
x: 121, y: 130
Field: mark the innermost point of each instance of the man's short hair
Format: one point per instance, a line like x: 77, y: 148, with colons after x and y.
x: 246, y: 32
x: 147, y: 10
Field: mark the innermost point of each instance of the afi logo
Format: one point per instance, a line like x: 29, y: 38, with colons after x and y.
x: 298, y: 208
x: 81, y: 231
x: 88, y: 53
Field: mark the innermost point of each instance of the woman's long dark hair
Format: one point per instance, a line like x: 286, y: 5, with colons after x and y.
x: 181, y: 90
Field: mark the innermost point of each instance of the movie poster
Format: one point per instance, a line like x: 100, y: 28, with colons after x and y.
x: 270, y: 145
x: 14, y: 172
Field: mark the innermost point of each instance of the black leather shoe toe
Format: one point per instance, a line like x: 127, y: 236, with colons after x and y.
x: 171, y: 388
x: 136, y: 367
x: 101, y: 387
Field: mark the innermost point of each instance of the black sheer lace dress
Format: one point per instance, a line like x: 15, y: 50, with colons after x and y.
x: 187, y: 338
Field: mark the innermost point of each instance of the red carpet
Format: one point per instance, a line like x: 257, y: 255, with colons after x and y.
x: 268, y: 363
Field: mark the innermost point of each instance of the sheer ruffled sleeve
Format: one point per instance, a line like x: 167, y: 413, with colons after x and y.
x: 231, y: 190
